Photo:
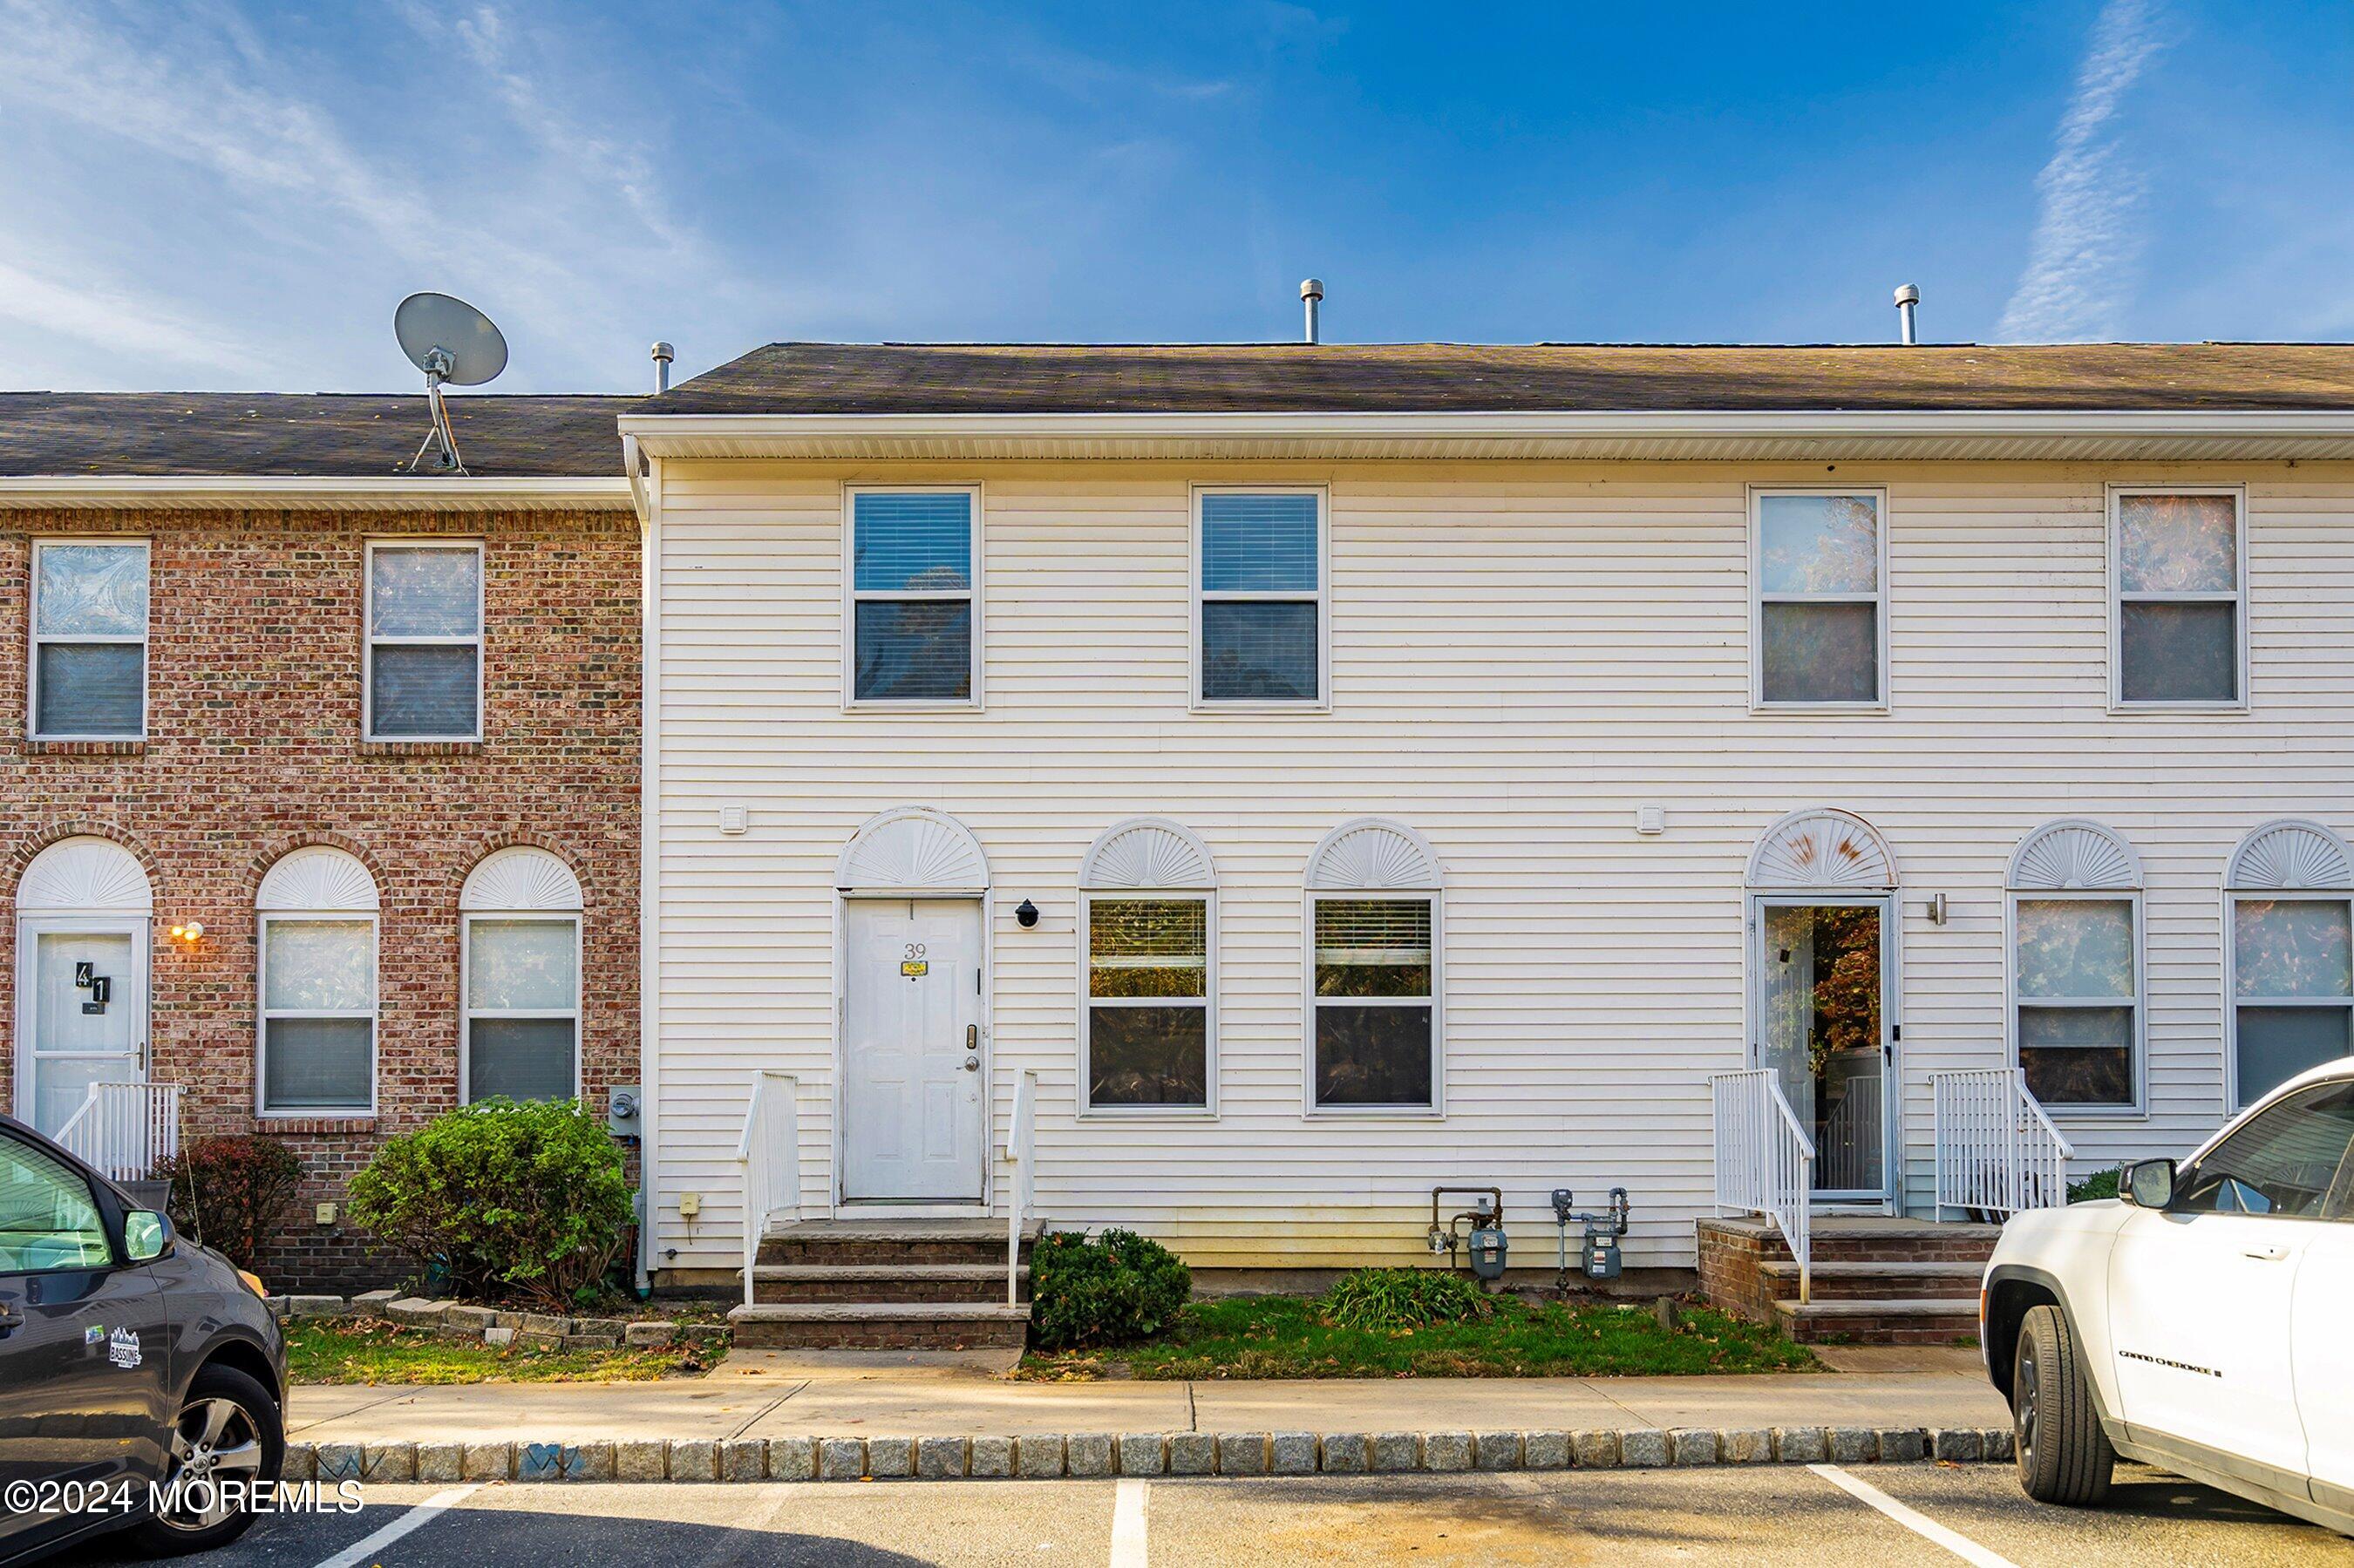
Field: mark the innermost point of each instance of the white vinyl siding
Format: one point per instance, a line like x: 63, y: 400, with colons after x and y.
x: 2179, y: 615
x: 1526, y: 654
x: 89, y: 670
x: 424, y: 671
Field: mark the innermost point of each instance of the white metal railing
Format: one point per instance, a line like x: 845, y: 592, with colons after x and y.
x: 1021, y: 1178
x: 769, y: 1155
x: 1764, y: 1160
x: 1997, y: 1151
x: 125, y: 1130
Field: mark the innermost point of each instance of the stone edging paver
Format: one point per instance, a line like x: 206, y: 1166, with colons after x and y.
x: 1096, y: 1454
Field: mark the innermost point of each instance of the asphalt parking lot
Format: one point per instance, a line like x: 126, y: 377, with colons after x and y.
x: 1868, y: 1517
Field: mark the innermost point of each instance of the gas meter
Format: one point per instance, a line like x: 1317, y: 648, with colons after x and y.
x: 1597, y: 1250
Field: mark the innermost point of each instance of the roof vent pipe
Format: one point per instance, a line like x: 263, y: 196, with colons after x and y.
x: 1908, y: 297
x: 663, y: 354
x: 1311, y: 295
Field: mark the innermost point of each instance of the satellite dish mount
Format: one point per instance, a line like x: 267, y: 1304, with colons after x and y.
x: 455, y: 344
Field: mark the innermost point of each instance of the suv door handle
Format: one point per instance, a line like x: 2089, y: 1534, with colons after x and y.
x: 2267, y: 1253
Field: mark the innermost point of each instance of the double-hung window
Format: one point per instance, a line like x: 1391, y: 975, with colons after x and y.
x: 1260, y: 598
x: 424, y: 640
x: 2076, y: 966
x: 2290, y: 888
x: 2179, y: 569
x: 1149, y: 1017
x: 1372, y: 971
x: 89, y: 640
x: 318, y: 918
x: 1818, y: 617
x: 521, y: 908
x: 914, y: 632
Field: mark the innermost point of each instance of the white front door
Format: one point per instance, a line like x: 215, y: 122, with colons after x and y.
x: 84, y: 1011
x: 914, y: 1116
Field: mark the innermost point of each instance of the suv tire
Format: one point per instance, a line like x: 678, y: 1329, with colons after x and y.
x: 2063, y: 1455
x: 229, y: 1414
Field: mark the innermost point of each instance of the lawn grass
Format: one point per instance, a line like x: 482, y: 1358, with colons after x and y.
x: 1289, y: 1336
x: 368, y: 1350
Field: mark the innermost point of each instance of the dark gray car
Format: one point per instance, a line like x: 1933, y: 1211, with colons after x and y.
x: 135, y: 1365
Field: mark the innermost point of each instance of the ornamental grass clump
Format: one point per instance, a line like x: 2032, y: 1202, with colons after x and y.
x: 1115, y: 1290
x: 1394, y: 1299
x: 515, y: 1200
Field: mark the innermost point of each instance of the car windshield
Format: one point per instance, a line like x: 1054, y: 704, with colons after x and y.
x: 2284, y: 1161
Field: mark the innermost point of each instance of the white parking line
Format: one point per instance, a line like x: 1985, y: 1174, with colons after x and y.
x: 364, y: 1549
x: 1128, y: 1524
x: 1920, y: 1524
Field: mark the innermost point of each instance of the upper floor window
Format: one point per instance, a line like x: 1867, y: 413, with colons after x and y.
x: 1819, y: 619
x: 915, y: 614
x: 522, y: 914
x: 1260, y: 606
x: 424, y: 640
x: 89, y: 640
x: 318, y: 916
x: 2075, y: 977
x: 1374, y: 970
x: 2178, y: 569
x: 1146, y: 904
x: 2291, y: 889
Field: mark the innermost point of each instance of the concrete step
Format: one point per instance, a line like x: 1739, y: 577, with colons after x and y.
x: 1924, y: 1320
x: 906, y: 1283
x: 1846, y: 1280
x: 932, y: 1325
x: 891, y: 1241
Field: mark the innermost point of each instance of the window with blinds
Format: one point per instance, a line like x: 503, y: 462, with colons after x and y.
x: 89, y: 640
x: 1375, y: 1003
x: 523, y: 1007
x: 2179, y: 623
x: 425, y: 640
x: 1147, y: 1011
x: 318, y: 1014
x: 1815, y: 569
x: 1260, y: 578
x: 913, y: 613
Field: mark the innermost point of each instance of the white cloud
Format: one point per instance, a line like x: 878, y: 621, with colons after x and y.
x: 2088, y: 229
x: 112, y: 317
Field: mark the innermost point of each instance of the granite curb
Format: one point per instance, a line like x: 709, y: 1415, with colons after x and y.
x: 1088, y: 1456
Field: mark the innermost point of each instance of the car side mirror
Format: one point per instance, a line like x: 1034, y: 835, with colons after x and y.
x: 146, y: 1235
x: 2147, y: 1183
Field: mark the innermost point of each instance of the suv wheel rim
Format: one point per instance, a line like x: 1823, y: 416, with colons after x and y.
x: 2029, y: 1381
x: 216, y: 1456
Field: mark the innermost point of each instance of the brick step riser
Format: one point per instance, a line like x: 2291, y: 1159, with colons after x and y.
x: 892, y: 1292
x: 1927, y: 1250
x: 880, y: 1336
x: 1869, y: 1330
x: 888, y: 1255
x: 1830, y: 1287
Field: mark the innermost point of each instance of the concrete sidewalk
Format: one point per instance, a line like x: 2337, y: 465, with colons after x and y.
x: 772, y: 1395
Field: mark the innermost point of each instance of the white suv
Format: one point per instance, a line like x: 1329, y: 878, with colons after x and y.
x: 2203, y: 1322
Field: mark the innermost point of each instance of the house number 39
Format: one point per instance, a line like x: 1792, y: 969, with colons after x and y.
x: 914, y: 964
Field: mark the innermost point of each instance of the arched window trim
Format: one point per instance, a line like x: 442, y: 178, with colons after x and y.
x: 1147, y: 859
x: 2286, y: 860
x: 1373, y: 858
x: 913, y: 850
x: 1821, y: 848
x: 2077, y: 860
x: 315, y: 885
x: 520, y: 885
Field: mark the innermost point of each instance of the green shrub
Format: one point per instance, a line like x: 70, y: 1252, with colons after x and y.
x: 2101, y: 1184
x: 1404, y: 1299
x: 512, y: 1201
x: 1117, y: 1288
x: 229, y: 1193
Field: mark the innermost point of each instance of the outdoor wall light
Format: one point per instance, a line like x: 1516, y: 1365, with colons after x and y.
x: 189, y: 932
x: 1026, y: 914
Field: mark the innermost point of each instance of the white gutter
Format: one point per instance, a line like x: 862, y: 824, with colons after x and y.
x: 468, y: 493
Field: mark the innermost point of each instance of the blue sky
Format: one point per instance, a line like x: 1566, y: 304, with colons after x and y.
x: 222, y: 195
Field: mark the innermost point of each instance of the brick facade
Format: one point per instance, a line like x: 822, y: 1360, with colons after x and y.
x: 254, y: 747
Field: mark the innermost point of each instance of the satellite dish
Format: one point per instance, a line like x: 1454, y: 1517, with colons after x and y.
x: 455, y: 344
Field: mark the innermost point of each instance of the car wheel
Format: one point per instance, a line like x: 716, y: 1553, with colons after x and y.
x: 229, y: 1430
x: 2063, y: 1455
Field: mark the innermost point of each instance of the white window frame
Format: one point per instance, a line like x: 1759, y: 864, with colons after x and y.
x: 851, y: 597
x: 2233, y: 1103
x: 468, y: 1011
x: 1759, y: 599
x: 37, y: 639
x: 1322, y: 700
x: 2117, y: 494
x: 1208, y: 898
x: 263, y: 1012
x: 2140, y: 1002
x: 371, y: 641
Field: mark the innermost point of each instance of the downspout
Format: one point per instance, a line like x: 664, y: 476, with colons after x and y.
x: 646, y: 489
